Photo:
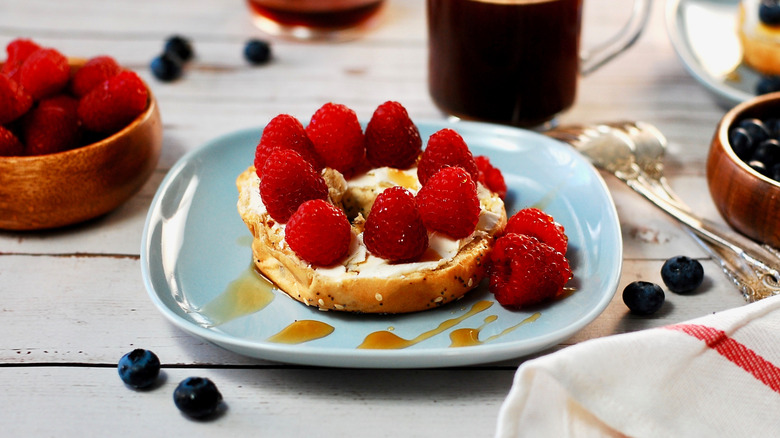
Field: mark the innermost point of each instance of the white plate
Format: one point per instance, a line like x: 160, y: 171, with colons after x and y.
x: 704, y: 35
x: 195, y: 245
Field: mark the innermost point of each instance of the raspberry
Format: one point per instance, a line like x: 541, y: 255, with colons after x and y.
x: 53, y: 126
x: 96, y: 71
x: 524, y: 271
x: 318, y: 232
x: 536, y: 223
x: 113, y: 104
x: 288, y: 181
x: 490, y: 176
x: 10, y: 145
x: 44, y: 73
x: 18, y: 50
x: 14, y: 101
x: 391, y: 138
x: 285, y: 132
x: 448, y: 203
x: 337, y: 137
x: 394, y: 230
x: 445, y: 148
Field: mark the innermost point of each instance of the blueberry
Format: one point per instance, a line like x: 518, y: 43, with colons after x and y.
x: 759, y: 167
x: 741, y: 142
x: 682, y: 274
x: 257, y: 51
x: 180, y: 47
x: 773, y: 126
x: 774, y: 172
x: 769, y: 12
x: 197, y: 397
x: 768, y: 152
x: 756, y: 129
x: 768, y: 84
x: 643, y: 297
x: 167, y: 67
x: 139, y: 368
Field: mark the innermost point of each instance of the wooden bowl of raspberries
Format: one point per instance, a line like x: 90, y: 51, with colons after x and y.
x: 77, y: 137
x: 743, y: 168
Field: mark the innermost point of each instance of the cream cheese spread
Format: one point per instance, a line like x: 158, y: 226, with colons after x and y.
x: 360, y: 262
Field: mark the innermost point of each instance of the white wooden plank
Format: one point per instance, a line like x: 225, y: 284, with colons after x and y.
x: 61, y: 401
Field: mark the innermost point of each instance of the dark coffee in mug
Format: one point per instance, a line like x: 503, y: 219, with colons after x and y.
x: 513, y: 62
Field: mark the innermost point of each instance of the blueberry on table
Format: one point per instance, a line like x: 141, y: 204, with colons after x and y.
x: 769, y: 12
x: 167, y: 67
x: 682, y: 274
x: 179, y: 46
x: 643, y: 297
x: 197, y: 397
x: 257, y: 51
x: 139, y: 368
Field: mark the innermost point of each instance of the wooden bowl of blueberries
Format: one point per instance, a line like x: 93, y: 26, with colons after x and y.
x: 743, y: 168
x: 78, y: 137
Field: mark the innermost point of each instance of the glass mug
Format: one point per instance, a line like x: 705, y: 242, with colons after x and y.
x: 513, y: 62
x: 314, y: 19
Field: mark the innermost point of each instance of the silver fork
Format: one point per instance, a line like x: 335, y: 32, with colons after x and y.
x: 633, y: 152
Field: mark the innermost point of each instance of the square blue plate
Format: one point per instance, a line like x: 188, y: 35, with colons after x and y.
x: 195, y: 245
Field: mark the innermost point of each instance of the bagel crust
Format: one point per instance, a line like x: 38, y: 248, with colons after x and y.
x: 363, y: 283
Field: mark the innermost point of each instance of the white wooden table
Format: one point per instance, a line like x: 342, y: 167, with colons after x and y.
x: 73, y: 301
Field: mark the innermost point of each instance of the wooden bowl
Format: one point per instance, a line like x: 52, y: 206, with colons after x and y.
x: 54, y: 190
x: 747, y: 200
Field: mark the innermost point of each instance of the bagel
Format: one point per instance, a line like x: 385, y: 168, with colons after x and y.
x: 361, y: 282
x: 760, y: 41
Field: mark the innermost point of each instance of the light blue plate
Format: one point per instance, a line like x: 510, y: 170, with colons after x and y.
x: 704, y: 35
x: 195, y: 245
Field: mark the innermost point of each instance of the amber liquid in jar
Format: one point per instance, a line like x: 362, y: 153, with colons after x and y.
x: 312, y: 18
x: 513, y: 62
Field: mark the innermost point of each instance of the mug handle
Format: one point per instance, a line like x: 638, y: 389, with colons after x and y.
x: 591, y: 60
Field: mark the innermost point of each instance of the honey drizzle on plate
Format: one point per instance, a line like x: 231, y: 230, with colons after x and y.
x: 387, y: 340
x: 302, y: 331
x: 467, y: 337
x: 249, y: 293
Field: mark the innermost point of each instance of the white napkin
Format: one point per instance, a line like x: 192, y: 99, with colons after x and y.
x: 715, y: 376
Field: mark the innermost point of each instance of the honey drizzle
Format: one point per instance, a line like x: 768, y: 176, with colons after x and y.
x: 249, y: 293
x: 402, y: 179
x: 302, y: 331
x: 467, y: 337
x: 386, y: 340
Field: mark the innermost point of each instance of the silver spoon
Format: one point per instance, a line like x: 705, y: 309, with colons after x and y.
x: 633, y: 152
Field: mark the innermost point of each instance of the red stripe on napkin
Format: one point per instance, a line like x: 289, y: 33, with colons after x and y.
x: 734, y: 351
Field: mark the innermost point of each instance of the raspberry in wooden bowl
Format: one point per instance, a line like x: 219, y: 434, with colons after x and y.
x: 53, y: 174
x: 743, y: 168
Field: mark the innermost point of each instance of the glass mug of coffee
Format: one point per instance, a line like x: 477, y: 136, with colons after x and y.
x: 513, y: 62
x: 315, y: 19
